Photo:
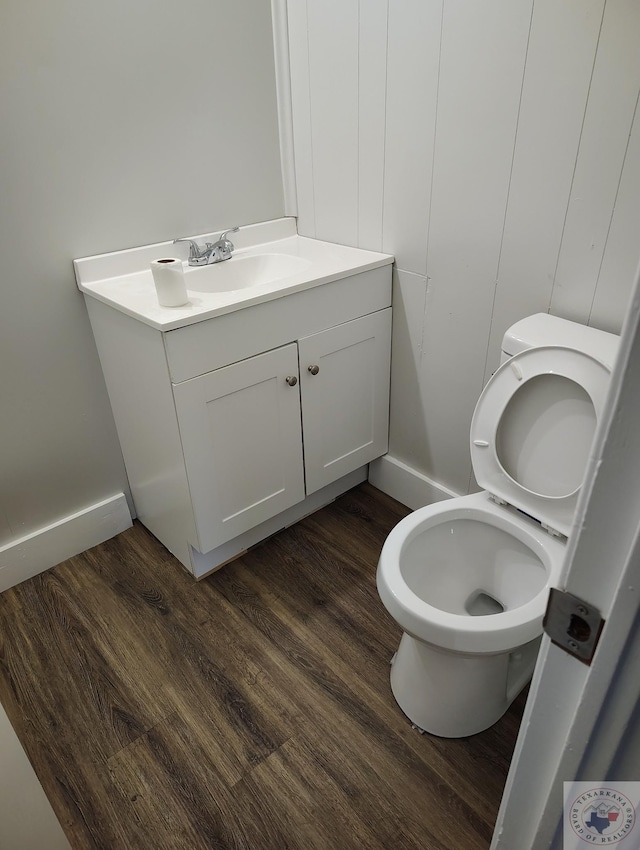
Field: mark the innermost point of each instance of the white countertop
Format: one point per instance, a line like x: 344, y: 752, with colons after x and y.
x: 123, y: 279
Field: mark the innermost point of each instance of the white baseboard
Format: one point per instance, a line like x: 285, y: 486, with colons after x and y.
x: 36, y: 552
x: 406, y: 484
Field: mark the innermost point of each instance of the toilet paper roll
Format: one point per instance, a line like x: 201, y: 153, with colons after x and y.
x: 168, y: 277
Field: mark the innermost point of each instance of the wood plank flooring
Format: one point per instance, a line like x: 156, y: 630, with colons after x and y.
x: 249, y: 711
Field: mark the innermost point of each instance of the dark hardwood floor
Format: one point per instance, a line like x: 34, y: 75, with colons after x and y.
x: 251, y: 710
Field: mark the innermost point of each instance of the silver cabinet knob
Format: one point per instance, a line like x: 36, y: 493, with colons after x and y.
x: 291, y: 380
x: 313, y: 369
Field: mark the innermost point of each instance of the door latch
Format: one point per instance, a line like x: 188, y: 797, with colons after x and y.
x: 572, y: 624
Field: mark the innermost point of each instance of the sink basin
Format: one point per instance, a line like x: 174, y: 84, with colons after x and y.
x: 271, y: 262
x: 243, y: 272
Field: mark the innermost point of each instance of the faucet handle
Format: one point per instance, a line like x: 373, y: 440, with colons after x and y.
x: 224, y: 247
x: 195, y: 250
x: 223, y: 236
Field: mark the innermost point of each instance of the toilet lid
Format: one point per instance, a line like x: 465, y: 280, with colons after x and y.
x: 533, y: 427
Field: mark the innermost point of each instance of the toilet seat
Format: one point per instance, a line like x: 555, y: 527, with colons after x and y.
x: 548, y: 400
x: 551, y: 388
x: 463, y: 632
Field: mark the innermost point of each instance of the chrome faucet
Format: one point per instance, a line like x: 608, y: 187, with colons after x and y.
x: 224, y: 247
x: 212, y: 252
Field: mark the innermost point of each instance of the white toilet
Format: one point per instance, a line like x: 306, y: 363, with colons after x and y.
x: 467, y: 579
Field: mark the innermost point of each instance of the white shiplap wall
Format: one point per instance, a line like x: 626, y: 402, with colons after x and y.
x: 492, y: 148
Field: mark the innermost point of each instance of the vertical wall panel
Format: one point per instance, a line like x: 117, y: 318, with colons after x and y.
x: 407, y: 437
x: 612, y: 100
x: 372, y: 109
x: 481, y: 68
x: 412, y: 87
x: 283, y: 102
x: 492, y: 133
x: 301, y: 114
x: 622, y: 251
x: 333, y: 73
x: 554, y: 96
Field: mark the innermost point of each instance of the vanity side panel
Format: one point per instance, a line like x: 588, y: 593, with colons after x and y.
x: 137, y: 377
x: 223, y: 340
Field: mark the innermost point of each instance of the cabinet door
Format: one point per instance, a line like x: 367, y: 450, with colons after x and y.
x: 242, y: 443
x: 344, y: 373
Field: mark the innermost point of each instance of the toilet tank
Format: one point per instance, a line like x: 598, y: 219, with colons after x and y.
x: 543, y: 329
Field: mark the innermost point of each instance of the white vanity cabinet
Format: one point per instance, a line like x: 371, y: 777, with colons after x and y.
x: 239, y: 425
x: 261, y: 434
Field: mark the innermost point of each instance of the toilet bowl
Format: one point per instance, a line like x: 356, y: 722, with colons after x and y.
x: 467, y: 579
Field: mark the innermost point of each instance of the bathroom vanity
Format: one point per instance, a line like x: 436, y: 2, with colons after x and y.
x: 259, y: 401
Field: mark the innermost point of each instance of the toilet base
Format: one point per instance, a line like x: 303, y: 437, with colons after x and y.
x: 454, y: 695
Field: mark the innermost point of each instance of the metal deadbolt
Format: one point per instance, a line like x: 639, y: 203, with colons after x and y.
x: 291, y: 380
x: 572, y: 624
x: 313, y: 369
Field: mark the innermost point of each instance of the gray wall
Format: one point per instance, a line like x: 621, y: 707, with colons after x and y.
x: 122, y: 124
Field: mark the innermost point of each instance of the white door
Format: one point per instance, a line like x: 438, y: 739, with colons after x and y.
x: 582, y: 722
x: 242, y: 443
x: 344, y: 376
